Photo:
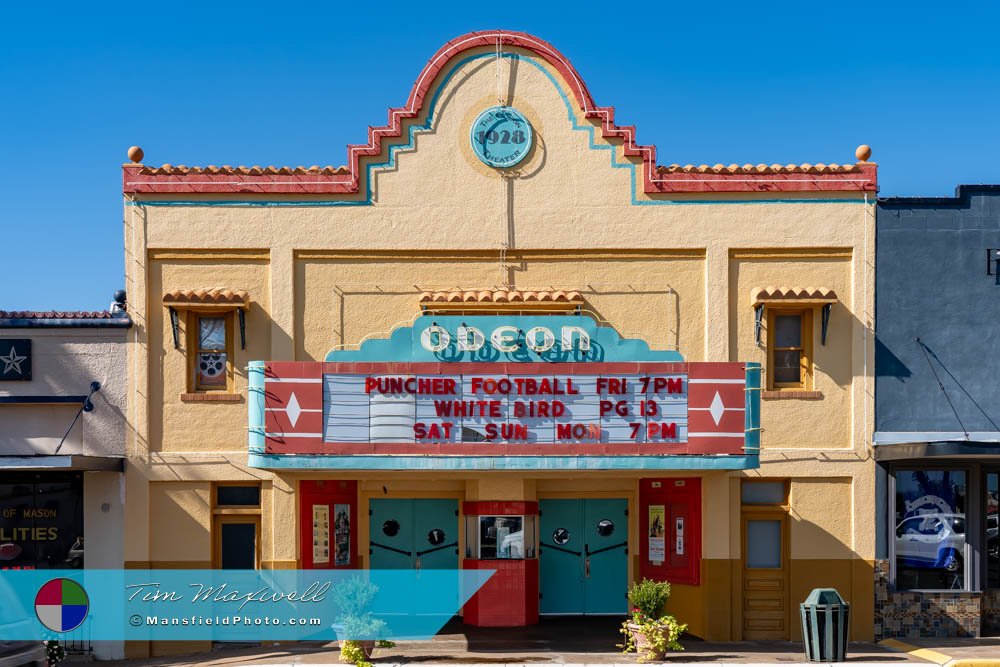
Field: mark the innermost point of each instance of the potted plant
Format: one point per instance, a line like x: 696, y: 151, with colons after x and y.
x: 648, y: 631
x: 54, y: 652
x: 357, y: 627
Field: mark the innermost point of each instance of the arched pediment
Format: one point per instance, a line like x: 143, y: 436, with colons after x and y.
x: 353, y: 180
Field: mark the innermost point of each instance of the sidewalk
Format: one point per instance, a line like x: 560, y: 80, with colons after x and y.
x: 578, y: 641
x: 426, y: 654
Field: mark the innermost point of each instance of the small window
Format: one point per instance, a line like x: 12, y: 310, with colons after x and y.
x: 763, y: 493
x: 210, y: 339
x: 227, y: 495
x: 763, y: 544
x: 212, y: 360
x: 789, y: 343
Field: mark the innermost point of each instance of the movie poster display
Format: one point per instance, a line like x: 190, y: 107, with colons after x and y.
x: 657, y: 530
x: 321, y: 534
x: 342, y: 534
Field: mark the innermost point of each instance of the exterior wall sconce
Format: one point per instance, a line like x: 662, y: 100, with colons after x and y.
x: 243, y: 328
x: 758, y: 316
x: 174, y: 326
x: 827, y: 307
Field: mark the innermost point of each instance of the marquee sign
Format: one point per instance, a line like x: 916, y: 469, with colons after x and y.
x: 503, y: 386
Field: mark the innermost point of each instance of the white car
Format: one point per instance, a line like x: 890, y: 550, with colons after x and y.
x: 15, y: 622
x: 933, y: 541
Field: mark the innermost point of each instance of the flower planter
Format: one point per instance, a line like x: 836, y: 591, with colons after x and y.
x: 367, y: 647
x: 645, y: 651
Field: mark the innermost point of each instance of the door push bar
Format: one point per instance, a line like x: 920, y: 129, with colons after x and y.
x: 586, y: 548
x: 387, y: 548
x: 552, y: 546
x: 430, y: 551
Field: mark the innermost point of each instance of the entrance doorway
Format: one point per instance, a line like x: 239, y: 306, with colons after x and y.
x: 583, y: 556
x: 413, y: 533
x: 765, y: 575
x: 236, y: 542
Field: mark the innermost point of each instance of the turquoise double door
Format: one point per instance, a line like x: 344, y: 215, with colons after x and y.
x: 583, y: 555
x: 413, y: 533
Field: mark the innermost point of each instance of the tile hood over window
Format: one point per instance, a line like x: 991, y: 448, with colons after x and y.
x: 790, y: 296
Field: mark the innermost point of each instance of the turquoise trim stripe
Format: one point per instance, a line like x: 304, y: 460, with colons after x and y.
x: 752, y: 412
x: 255, y: 406
x: 594, y: 144
x: 560, y: 463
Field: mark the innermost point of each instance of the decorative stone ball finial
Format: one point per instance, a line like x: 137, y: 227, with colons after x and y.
x: 135, y: 154
x: 863, y: 152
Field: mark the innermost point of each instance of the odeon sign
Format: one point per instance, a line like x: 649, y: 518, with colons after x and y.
x: 454, y: 387
x: 505, y: 338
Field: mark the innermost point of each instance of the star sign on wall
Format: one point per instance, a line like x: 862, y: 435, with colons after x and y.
x: 12, y: 361
x: 15, y: 359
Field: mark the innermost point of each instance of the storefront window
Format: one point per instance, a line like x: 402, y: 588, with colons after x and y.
x: 930, y: 535
x: 41, y: 521
x: 992, y: 530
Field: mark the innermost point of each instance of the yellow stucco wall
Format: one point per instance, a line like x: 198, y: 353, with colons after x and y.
x: 181, y: 536
x: 677, y: 274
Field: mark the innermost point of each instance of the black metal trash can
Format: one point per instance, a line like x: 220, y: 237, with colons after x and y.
x: 826, y: 623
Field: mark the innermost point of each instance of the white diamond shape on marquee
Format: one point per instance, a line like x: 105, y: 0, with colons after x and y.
x: 293, y: 410
x: 717, y: 408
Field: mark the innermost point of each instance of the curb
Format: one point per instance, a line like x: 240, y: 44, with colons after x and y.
x: 669, y: 663
x: 937, y: 657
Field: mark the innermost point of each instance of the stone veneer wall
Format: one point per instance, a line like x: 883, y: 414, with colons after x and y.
x: 991, y: 613
x: 908, y: 614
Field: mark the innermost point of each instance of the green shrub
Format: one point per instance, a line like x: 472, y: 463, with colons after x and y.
x: 648, y: 597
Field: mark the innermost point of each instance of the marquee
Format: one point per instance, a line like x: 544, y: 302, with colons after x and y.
x: 523, y: 388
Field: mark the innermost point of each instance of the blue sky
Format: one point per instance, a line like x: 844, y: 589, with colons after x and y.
x: 294, y: 83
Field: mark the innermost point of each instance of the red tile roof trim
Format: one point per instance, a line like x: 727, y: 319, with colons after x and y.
x: 139, y: 178
x: 56, y: 315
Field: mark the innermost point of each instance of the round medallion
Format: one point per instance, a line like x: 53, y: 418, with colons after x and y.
x: 560, y: 536
x: 435, y: 537
x: 501, y: 137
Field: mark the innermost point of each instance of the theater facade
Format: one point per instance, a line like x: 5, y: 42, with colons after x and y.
x: 505, y: 336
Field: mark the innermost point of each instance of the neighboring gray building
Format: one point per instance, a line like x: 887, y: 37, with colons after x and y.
x: 62, y: 444
x: 937, y: 410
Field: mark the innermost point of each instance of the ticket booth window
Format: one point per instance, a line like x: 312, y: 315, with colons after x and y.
x: 500, y: 537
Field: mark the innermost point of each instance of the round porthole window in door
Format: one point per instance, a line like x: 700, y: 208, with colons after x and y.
x: 605, y: 527
x: 560, y: 536
x: 435, y: 537
x: 391, y: 528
